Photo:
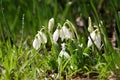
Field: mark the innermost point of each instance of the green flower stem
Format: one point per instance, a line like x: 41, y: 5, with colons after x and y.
x: 51, y: 39
x: 45, y: 49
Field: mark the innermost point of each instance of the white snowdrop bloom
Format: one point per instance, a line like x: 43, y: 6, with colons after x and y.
x: 39, y: 39
x: 37, y: 42
x: 42, y: 37
x: 95, y: 35
x: 56, y: 35
x: 65, y: 33
x: 63, y: 54
x: 50, y: 24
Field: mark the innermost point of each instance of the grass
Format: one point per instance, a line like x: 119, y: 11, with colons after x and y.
x: 20, y: 21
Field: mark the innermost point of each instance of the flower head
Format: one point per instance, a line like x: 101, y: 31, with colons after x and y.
x: 39, y: 38
x: 95, y: 35
x: 63, y: 54
x: 63, y: 33
x: 37, y: 42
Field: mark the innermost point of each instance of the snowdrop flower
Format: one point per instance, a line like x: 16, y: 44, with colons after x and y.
x: 37, y: 42
x: 95, y: 35
x: 63, y: 54
x: 56, y: 35
x: 51, y: 24
x: 42, y: 37
x: 39, y: 38
x: 65, y: 33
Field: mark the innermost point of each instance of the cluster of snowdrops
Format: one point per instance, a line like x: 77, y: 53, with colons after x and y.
x: 62, y: 33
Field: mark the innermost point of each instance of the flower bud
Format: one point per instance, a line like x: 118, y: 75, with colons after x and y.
x: 90, y: 28
x: 51, y: 24
x: 56, y: 35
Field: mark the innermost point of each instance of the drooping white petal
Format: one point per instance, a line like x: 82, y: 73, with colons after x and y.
x: 37, y: 42
x: 62, y: 34
x: 50, y: 24
x: 89, y: 42
x: 98, y: 41
x: 43, y: 37
x: 71, y: 35
x: 56, y: 35
x: 95, y: 35
x: 63, y: 54
x: 67, y: 32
